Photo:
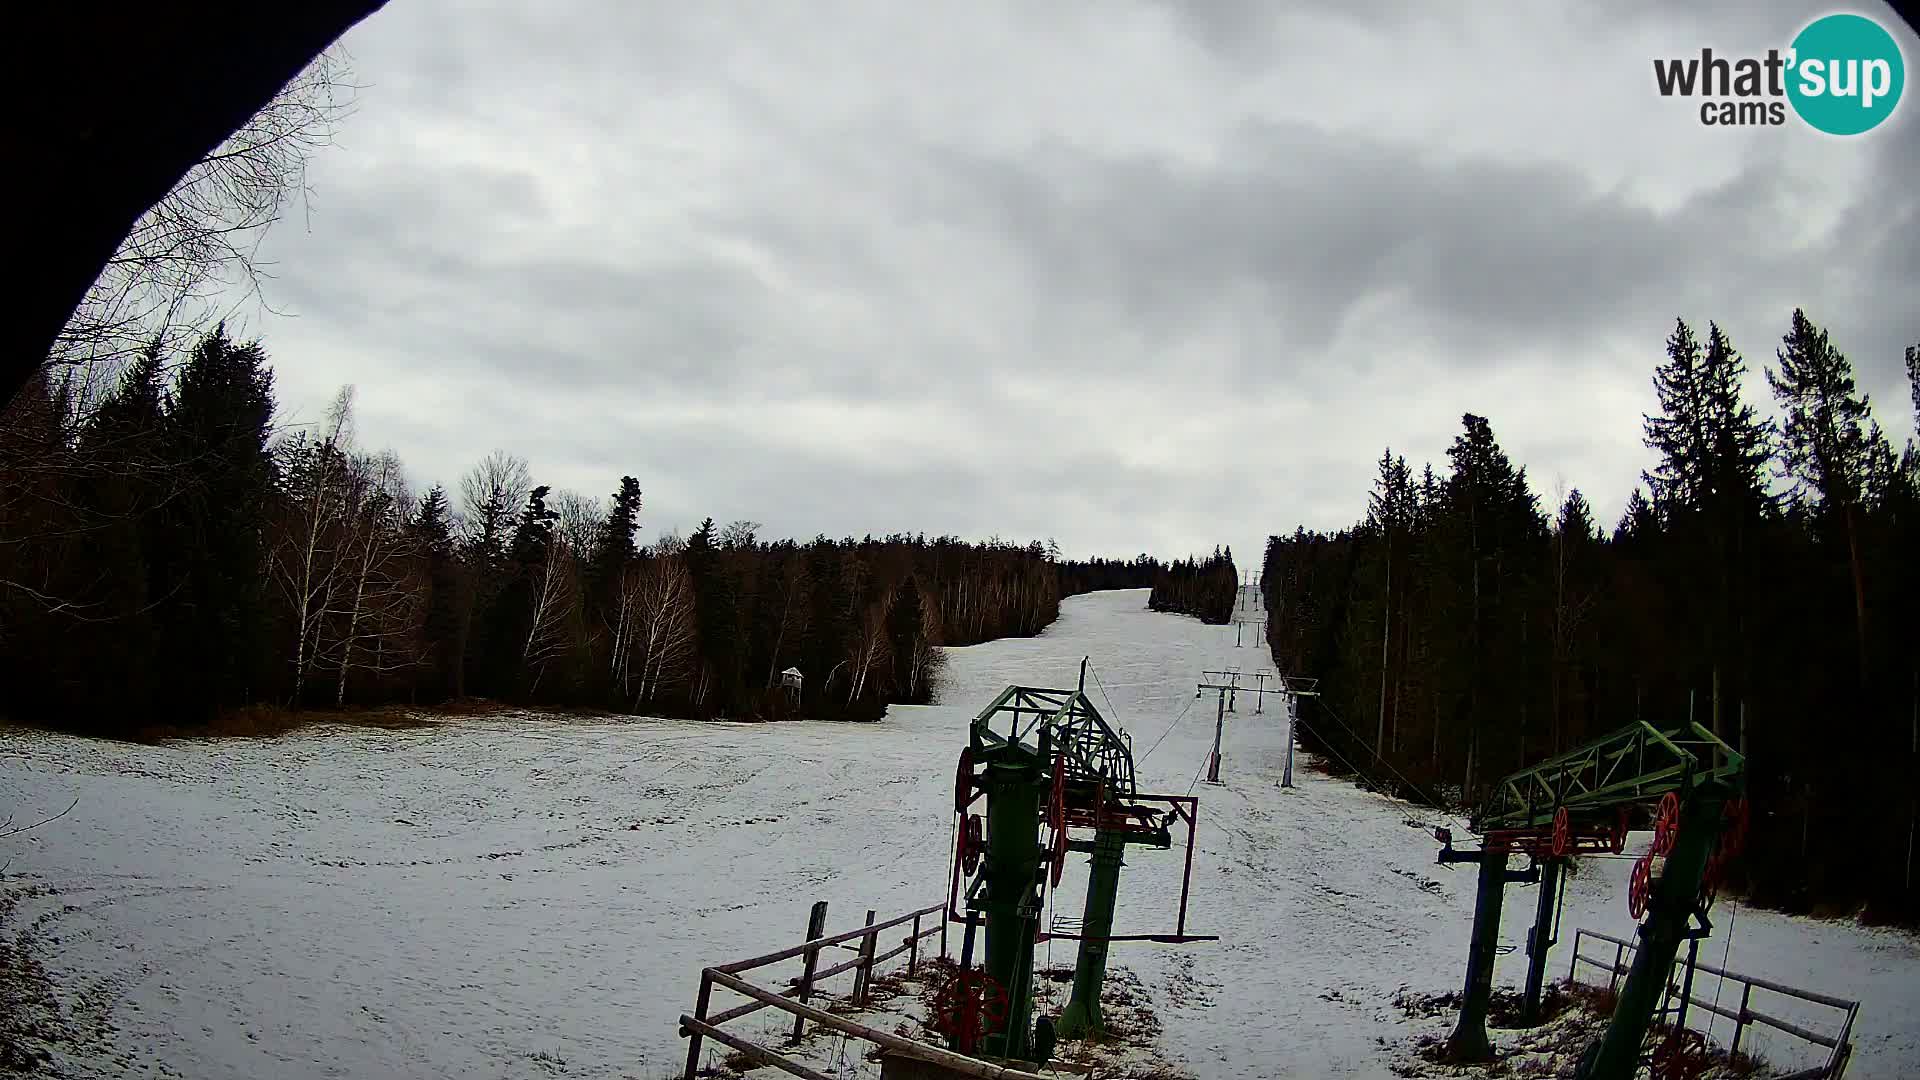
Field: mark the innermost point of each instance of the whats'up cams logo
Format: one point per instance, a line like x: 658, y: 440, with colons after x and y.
x: 1843, y: 75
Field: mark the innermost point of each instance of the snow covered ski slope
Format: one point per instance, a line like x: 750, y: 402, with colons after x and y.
x: 522, y: 896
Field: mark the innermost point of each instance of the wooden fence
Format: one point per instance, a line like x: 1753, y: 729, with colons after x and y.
x: 793, y: 999
x: 1839, y: 1045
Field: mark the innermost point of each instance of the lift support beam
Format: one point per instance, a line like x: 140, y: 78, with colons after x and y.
x: 1579, y: 801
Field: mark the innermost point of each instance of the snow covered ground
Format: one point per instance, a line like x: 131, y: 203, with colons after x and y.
x: 519, y: 895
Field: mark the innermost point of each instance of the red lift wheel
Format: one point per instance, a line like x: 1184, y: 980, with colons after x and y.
x: 971, y: 844
x: 963, y: 781
x: 1057, y: 805
x: 1733, y: 828
x: 1640, y: 887
x: 1666, y: 824
x: 1059, y: 854
x: 968, y: 1006
x: 1562, y: 831
x: 1710, y: 880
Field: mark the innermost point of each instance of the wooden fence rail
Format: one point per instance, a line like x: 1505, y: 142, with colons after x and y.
x: 1839, y: 1045
x: 701, y: 1024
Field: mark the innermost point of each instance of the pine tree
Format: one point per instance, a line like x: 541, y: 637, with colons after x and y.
x: 125, y: 480
x: 1638, y: 522
x: 1390, y: 513
x: 1911, y: 459
x: 1709, y: 489
x: 440, y: 631
x: 214, y: 546
x: 906, y: 639
x: 1679, y: 434
x: 1826, y: 446
x: 713, y: 592
x: 1493, y: 523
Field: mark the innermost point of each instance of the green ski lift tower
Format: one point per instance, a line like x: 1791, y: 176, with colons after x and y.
x: 1584, y: 801
x: 1043, y: 761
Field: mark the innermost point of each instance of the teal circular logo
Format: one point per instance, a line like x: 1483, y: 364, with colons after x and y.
x: 1845, y: 74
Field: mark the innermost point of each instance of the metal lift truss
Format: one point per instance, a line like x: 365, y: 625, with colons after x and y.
x: 1092, y: 749
x: 1634, y: 764
x: 1581, y: 801
x: 1054, y: 762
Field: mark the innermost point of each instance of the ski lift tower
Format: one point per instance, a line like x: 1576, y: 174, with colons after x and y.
x: 1230, y: 684
x: 1058, y: 763
x: 1583, y: 801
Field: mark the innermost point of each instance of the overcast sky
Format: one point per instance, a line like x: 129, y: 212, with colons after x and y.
x: 1137, y: 276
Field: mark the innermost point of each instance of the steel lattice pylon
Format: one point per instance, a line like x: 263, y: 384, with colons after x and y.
x: 1581, y: 801
x: 1056, y: 763
x: 1631, y: 765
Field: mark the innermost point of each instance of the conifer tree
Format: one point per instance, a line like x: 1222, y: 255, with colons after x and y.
x: 1826, y: 445
x: 215, y: 621
x: 440, y: 632
x: 906, y: 639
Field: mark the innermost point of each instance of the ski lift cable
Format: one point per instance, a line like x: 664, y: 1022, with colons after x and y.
x: 1197, y: 772
x: 1383, y: 761
x: 1169, y: 731
x: 1111, y: 707
x: 1726, y: 955
x: 1391, y: 797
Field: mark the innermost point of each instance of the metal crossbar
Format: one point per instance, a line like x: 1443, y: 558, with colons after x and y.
x: 1635, y: 763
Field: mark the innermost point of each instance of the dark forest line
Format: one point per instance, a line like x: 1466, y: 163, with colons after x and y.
x: 1764, y: 581
x: 1203, y: 588
x: 167, y: 557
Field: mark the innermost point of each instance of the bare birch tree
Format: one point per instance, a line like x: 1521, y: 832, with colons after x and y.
x: 376, y: 592
x: 194, y: 256
x: 491, y: 495
x: 665, y: 637
x: 870, y: 648
x: 581, y: 521
x: 304, y: 564
x: 553, y: 601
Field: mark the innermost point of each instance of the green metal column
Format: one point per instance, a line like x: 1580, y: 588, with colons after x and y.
x: 1541, y: 939
x: 1014, y: 780
x: 1674, y: 897
x: 1469, y: 1039
x: 1082, y: 1016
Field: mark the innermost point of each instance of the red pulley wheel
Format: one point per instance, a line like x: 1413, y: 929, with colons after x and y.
x: 963, y: 781
x: 1562, y: 831
x: 1733, y: 827
x: 968, y: 1006
x: 1710, y: 880
x: 972, y: 844
x: 1666, y: 824
x: 1640, y: 886
x: 1057, y: 804
x: 1059, y: 854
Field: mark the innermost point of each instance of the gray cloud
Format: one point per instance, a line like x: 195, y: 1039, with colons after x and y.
x: 1139, y: 277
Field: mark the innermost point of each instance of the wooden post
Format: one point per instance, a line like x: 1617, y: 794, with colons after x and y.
x: 863, y: 974
x: 1613, y: 977
x: 1740, y: 1022
x: 913, y: 945
x: 943, y: 933
x: 816, y: 927
x: 699, y: 1013
x: 1574, y: 961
